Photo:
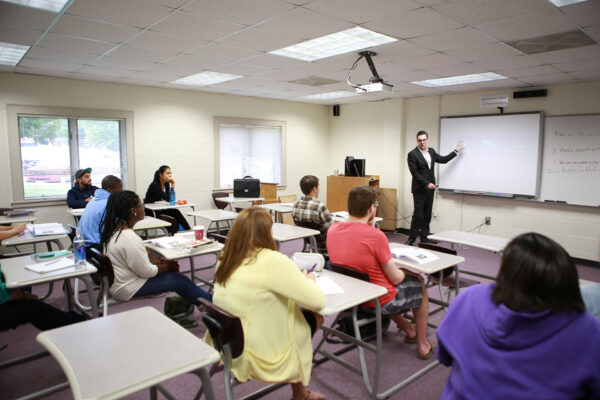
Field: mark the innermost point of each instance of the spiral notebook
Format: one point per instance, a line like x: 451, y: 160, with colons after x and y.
x: 54, y: 265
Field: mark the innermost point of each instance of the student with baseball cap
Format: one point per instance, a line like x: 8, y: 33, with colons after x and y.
x: 83, y: 190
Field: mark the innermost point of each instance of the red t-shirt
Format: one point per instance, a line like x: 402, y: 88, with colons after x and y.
x: 360, y: 246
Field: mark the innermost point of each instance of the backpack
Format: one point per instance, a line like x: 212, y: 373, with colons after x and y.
x: 367, y: 332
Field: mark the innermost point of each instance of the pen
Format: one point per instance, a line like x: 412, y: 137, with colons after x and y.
x: 52, y: 262
x: 312, y: 268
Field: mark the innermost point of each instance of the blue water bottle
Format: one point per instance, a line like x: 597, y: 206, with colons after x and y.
x: 172, y: 196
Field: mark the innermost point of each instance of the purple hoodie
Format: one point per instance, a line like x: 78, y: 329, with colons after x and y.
x: 497, y: 353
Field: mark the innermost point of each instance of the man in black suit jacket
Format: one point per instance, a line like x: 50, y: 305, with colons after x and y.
x: 421, y: 162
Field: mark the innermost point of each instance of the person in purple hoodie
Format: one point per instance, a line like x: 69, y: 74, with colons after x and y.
x: 527, y: 336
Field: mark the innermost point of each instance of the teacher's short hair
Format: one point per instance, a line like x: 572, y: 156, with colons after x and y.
x: 422, y: 133
x: 537, y: 274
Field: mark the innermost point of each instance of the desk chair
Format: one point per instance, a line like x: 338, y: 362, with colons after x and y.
x: 174, y: 225
x: 107, y: 277
x: 287, y: 218
x: 321, y: 238
x: 221, y: 205
x: 227, y: 336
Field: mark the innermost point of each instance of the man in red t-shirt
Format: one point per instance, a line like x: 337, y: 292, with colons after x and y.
x: 359, y: 245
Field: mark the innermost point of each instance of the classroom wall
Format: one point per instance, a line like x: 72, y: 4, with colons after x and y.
x: 171, y: 126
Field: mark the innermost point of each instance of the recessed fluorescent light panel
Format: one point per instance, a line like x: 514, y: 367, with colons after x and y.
x: 11, y: 54
x: 48, y: 5
x: 562, y: 3
x: 329, y: 95
x: 206, y: 78
x: 460, y: 80
x: 334, y: 44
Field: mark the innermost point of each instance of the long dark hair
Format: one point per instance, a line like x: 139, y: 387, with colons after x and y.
x: 250, y: 233
x: 537, y: 274
x: 116, y: 215
x: 159, y: 171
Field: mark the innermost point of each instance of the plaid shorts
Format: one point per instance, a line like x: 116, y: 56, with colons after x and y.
x: 409, y: 296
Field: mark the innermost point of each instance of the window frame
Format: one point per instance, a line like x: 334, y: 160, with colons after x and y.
x: 218, y: 120
x: 125, y: 119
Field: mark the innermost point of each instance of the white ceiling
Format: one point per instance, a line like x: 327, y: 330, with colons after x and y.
x: 153, y: 42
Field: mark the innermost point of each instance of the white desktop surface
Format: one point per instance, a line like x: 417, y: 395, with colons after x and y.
x: 28, y: 238
x: 76, y: 212
x: 151, y: 223
x: 214, y: 215
x: 160, y: 206
x: 111, y: 357
x: 171, y: 254
x: 442, y: 262
x: 16, y: 220
x: 278, y: 207
x: 16, y: 275
x: 355, y: 293
x: 486, y: 242
x: 284, y: 232
x: 232, y: 200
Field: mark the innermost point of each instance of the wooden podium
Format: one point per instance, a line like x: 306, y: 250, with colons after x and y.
x: 339, y: 186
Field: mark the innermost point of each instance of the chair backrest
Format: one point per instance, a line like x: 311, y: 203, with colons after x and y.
x: 309, y: 224
x: 72, y: 232
x: 224, y: 328
x: 434, y: 247
x: 349, y: 271
x: 221, y: 205
x: 174, y: 225
x: 288, y: 198
x: 102, y: 264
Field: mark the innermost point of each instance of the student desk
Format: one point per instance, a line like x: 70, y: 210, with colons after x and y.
x: 28, y: 238
x: 114, y: 356
x: 165, y: 206
x: 213, y: 217
x: 279, y: 209
x: 149, y: 223
x: 477, y: 240
x: 76, y: 213
x: 355, y: 293
x: 285, y: 233
x: 172, y: 254
x: 16, y: 220
x: 233, y: 200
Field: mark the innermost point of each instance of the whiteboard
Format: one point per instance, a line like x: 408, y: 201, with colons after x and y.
x: 571, y: 165
x: 501, y: 156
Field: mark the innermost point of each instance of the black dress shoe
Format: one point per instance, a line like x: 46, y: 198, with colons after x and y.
x: 430, y: 241
x: 410, y: 242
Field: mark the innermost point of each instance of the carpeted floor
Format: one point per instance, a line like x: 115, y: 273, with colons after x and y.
x: 399, y: 360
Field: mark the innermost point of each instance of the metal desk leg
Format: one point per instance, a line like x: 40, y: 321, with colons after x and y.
x: 313, y: 244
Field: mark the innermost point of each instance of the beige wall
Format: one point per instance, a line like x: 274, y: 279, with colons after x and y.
x: 173, y: 127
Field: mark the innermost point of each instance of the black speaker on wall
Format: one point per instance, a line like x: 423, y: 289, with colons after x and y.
x: 336, y: 110
x: 530, y: 93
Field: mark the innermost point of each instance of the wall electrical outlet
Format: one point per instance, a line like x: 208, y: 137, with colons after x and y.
x: 488, y: 220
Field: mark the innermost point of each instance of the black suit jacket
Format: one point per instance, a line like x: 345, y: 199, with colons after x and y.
x: 422, y: 175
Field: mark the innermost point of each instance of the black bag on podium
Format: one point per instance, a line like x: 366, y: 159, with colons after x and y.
x: 247, y: 187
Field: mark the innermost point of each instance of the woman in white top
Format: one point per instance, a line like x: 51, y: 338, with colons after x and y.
x: 135, y: 275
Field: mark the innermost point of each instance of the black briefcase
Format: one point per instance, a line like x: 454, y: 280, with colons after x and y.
x: 246, y: 187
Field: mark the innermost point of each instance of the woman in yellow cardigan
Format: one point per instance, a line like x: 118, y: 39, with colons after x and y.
x: 264, y: 288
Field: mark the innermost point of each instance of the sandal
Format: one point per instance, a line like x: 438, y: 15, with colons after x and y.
x: 428, y: 355
x: 410, y: 340
x: 309, y: 396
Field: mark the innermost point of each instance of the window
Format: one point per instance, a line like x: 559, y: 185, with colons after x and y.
x: 249, y: 148
x: 49, y: 145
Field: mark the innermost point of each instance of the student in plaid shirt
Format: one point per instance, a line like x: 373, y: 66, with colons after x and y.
x: 310, y: 209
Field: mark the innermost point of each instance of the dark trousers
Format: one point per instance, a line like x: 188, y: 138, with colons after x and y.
x: 175, y: 213
x: 419, y: 225
x: 43, y: 316
x: 173, y: 282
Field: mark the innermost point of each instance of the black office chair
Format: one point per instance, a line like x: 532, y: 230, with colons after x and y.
x: 320, y: 238
x: 174, y: 225
x: 221, y: 205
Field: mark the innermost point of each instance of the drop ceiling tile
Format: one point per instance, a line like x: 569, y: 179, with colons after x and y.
x: 122, y: 12
x: 587, y: 75
x: 81, y: 28
x: 222, y: 53
x: 195, y: 26
x: 49, y: 65
x: 475, y: 12
x: 433, y: 60
x: 43, y: 71
x: 72, y: 44
x: 271, y: 61
x: 528, y: 26
x: 360, y: 11
x: 593, y: 32
x: 241, y: 69
x: 579, y: 53
x: 188, y: 65
x: 580, y: 65
x: 562, y: 77
x: 71, y: 57
x: 123, y: 63
x: 165, y: 3
x: 104, y: 71
x: 519, y: 73
x: 509, y: 62
x: 584, y: 14
x: 500, y: 84
x: 298, y: 2
x: 241, y: 12
x: 146, y: 55
x: 455, y: 39
x: 93, y: 78
x: 259, y: 40
x: 419, y: 22
x: 400, y: 50
x: 484, y: 53
x: 164, y: 42
x: 24, y: 36
x: 305, y: 24
x: 158, y: 74
x: 17, y: 16
x: 456, y: 70
x: 417, y: 75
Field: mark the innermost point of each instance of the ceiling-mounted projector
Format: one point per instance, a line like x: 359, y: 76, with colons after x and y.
x: 376, y: 84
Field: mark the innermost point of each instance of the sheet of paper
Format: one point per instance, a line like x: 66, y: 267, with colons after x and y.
x: 413, y: 254
x: 54, y: 265
x: 46, y: 229
x: 328, y: 286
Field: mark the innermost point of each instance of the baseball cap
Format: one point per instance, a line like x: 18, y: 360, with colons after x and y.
x: 81, y: 172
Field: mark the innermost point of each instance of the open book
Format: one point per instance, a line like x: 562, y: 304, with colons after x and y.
x: 46, y: 229
x: 413, y: 254
x: 179, y: 243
